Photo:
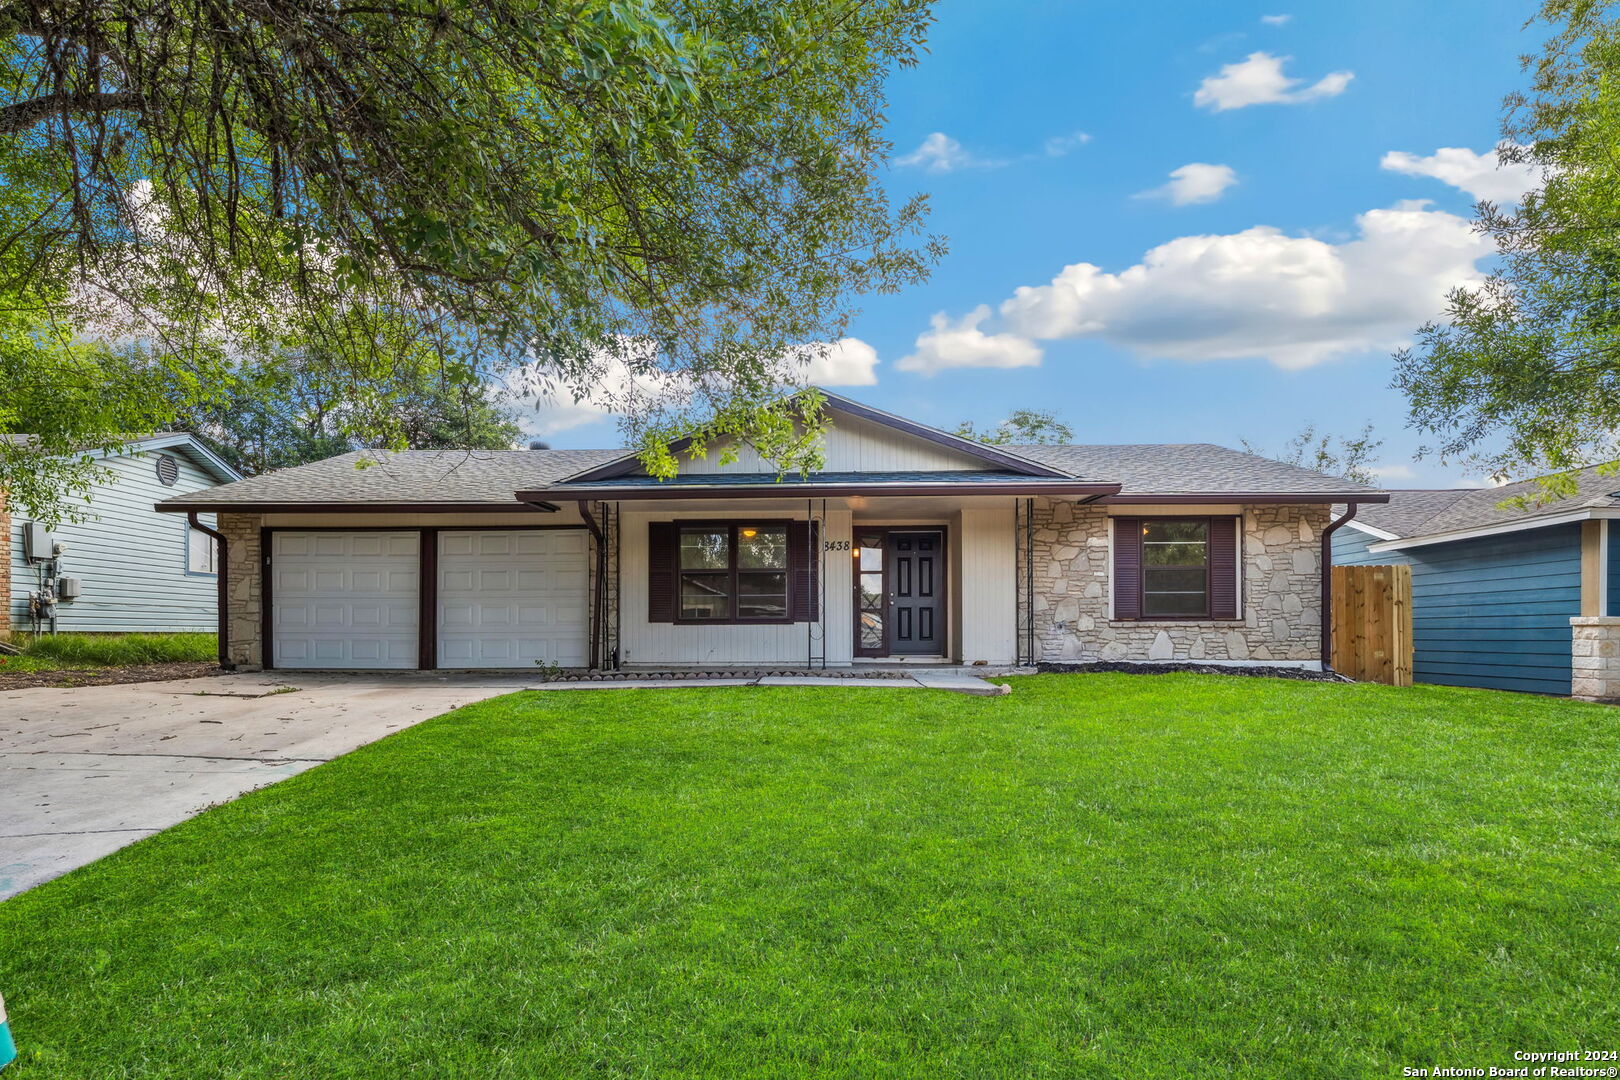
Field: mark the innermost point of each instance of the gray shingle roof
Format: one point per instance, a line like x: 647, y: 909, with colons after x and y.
x: 1186, y: 468
x: 1424, y: 513
x: 492, y: 476
x: 405, y: 476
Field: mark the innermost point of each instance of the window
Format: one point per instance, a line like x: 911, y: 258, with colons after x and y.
x: 733, y: 573
x: 202, y: 552
x: 1175, y: 567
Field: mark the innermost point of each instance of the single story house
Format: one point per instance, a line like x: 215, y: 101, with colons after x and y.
x: 1500, y: 597
x: 136, y: 569
x: 911, y: 544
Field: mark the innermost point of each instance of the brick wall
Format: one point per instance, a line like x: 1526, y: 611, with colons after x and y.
x: 241, y: 533
x: 1280, y: 561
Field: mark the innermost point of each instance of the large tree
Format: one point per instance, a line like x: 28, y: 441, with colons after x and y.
x: 678, y: 194
x: 1522, y: 375
x: 296, y: 412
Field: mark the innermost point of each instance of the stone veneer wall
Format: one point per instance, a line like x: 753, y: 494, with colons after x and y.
x: 1595, y: 659
x: 5, y: 569
x: 243, y: 559
x: 1280, y: 563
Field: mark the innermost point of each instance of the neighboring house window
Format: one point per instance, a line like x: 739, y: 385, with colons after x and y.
x: 1175, y: 568
x: 724, y: 572
x: 202, y: 552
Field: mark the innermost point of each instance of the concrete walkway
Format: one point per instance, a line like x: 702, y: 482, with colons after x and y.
x: 87, y: 770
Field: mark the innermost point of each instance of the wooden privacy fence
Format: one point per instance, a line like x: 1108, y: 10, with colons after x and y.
x: 1372, y: 623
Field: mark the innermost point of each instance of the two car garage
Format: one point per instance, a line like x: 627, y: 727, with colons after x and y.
x: 482, y: 598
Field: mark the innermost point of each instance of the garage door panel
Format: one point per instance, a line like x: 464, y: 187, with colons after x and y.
x: 512, y: 598
x: 345, y: 599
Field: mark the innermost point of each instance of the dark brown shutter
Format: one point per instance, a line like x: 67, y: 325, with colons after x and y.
x: 662, y: 549
x: 804, y: 557
x: 1223, y: 568
x: 1127, y: 568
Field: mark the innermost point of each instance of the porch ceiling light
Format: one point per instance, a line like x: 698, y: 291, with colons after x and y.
x: 749, y: 534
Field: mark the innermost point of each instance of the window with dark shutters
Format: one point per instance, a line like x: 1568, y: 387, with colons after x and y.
x: 1223, y: 568
x: 1127, y: 568
x: 722, y: 572
x: 1175, y: 568
x: 803, y: 542
x: 662, y: 540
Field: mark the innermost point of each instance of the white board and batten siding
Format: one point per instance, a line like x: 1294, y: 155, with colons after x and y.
x: 852, y: 445
x: 646, y: 643
x: 132, y: 560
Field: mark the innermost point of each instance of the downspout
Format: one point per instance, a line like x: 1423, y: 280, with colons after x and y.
x: 1327, y: 585
x: 224, y: 632
x: 601, y: 583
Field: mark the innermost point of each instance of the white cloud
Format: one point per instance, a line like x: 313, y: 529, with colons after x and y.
x: 1276, y: 20
x: 1293, y: 300
x: 1259, y: 80
x: 939, y: 153
x: 963, y: 345
x: 1059, y: 145
x: 1194, y: 183
x: 846, y: 362
x: 1480, y: 175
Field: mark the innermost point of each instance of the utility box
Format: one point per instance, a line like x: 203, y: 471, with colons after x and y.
x: 36, y: 542
x: 68, y: 588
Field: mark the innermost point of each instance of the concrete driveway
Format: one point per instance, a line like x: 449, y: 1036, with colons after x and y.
x: 87, y: 770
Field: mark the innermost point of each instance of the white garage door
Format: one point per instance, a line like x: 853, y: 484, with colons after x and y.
x: 509, y: 599
x: 344, y: 599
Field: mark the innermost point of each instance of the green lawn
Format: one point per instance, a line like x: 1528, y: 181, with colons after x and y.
x: 56, y: 652
x: 1123, y: 876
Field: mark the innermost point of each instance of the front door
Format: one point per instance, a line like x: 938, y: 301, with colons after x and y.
x: 916, y: 580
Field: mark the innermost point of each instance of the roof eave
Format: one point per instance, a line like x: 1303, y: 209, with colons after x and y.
x: 1034, y: 486
x: 1170, y: 498
x: 174, y: 507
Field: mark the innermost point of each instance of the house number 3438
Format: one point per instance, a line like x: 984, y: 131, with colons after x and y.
x: 835, y: 545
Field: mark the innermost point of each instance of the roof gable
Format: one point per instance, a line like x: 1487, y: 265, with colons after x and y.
x: 862, y: 439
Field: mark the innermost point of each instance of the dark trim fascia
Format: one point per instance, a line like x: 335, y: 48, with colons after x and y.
x: 1220, y: 497
x: 419, y: 528
x: 358, y: 508
x: 427, y: 598
x: 822, y: 491
x: 983, y: 451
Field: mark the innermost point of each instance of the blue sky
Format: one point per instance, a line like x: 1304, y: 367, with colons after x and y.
x: 1261, y: 290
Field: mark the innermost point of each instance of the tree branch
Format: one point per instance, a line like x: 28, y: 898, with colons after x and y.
x: 25, y: 114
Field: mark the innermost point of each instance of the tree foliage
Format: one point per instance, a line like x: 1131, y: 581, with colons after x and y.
x: 1523, y: 373
x: 1024, y: 426
x: 1349, y: 456
x: 295, y: 412
x: 680, y: 192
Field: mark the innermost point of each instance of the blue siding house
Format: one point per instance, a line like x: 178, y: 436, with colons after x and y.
x: 1494, y: 590
x: 140, y: 571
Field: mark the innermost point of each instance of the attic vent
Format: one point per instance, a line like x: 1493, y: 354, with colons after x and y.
x: 168, y: 470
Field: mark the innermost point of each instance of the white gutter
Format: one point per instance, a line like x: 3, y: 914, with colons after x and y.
x: 1599, y: 513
